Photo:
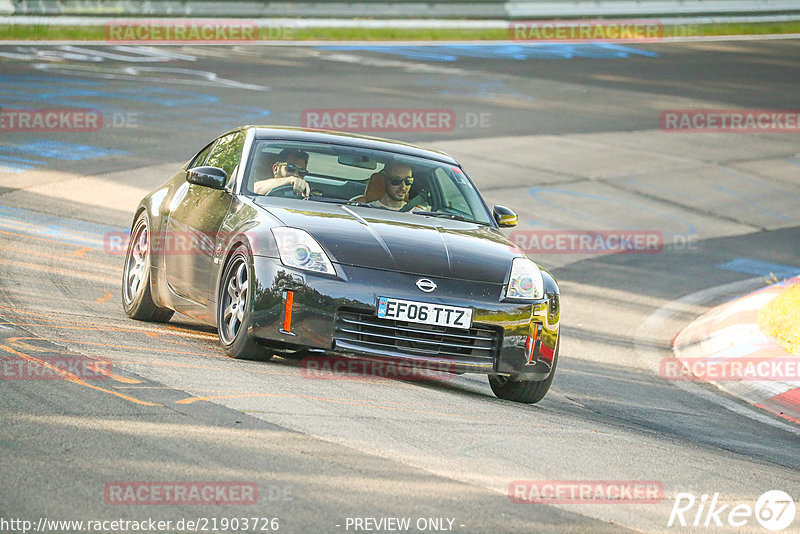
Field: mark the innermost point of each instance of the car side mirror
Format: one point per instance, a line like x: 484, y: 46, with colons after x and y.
x: 212, y: 177
x: 505, y: 217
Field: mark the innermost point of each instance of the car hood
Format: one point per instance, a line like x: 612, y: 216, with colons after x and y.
x: 382, y: 239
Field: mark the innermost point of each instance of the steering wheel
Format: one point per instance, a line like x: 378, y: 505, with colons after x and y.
x: 287, y: 191
x: 422, y: 197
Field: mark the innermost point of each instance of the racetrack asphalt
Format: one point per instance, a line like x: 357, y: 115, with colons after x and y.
x: 568, y: 136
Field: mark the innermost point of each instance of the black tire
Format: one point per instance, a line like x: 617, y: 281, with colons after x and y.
x: 525, y: 391
x: 136, y: 297
x: 234, y: 309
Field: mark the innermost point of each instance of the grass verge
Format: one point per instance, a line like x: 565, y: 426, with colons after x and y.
x: 780, y: 318
x: 97, y: 33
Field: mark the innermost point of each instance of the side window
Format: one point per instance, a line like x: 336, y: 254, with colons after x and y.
x: 201, y: 156
x: 227, y: 153
x: 453, y: 196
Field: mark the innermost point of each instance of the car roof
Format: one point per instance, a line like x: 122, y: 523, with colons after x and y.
x: 288, y: 133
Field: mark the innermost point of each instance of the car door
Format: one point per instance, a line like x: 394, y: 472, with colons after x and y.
x: 196, y: 215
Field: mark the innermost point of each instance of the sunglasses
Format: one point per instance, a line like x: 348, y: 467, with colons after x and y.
x: 398, y: 181
x: 294, y: 169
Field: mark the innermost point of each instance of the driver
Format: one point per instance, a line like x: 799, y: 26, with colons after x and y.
x: 289, y: 169
x: 397, y: 181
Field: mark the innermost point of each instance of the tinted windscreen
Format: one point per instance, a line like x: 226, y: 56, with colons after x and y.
x: 363, y: 177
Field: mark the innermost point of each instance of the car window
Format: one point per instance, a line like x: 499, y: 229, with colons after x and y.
x: 227, y: 152
x: 200, y: 158
x: 451, y: 192
x: 328, y: 164
x: 349, y: 175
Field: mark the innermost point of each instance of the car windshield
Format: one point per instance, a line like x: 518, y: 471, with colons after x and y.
x: 363, y: 177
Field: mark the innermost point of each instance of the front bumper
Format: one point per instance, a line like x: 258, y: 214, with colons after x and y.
x: 337, y: 315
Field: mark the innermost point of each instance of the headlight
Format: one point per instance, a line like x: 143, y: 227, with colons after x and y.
x: 298, y: 249
x: 525, y: 281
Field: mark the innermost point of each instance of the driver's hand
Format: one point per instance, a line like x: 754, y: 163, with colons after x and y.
x: 262, y: 187
x: 300, y: 187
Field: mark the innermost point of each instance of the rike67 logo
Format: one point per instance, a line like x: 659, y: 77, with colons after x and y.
x: 774, y: 510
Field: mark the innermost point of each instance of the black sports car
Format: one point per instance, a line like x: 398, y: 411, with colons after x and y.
x: 295, y: 241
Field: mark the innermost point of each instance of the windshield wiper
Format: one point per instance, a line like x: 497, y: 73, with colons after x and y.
x: 326, y: 199
x: 445, y: 215
x: 339, y: 201
x: 331, y: 200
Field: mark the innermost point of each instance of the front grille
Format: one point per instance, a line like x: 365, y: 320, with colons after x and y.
x: 479, y: 344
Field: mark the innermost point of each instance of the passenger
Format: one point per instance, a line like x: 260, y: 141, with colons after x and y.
x: 289, y: 169
x: 397, y: 180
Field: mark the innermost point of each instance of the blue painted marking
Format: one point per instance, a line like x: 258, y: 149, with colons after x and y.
x: 471, y: 88
x: 227, y: 115
x: 760, y: 268
x: 749, y: 179
x: 61, y: 150
x: 624, y: 51
x: 93, y: 243
x: 17, y: 165
x: 535, y: 191
x: 762, y: 184
x: 749, y: 200
x: 80, y: 97
x: 44, y: 81
x: 577, y: 213
x: 14, y: 168
x: 501, y: 51
x: 22, y: 214
x: 75, y: 232
x: 21, y: 160
x: 150, y: 95
x: 26, y: 91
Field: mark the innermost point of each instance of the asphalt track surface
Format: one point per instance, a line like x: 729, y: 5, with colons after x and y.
x: 568, y: 136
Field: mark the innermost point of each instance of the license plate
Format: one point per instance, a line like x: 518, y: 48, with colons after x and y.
x: 424, y: 312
